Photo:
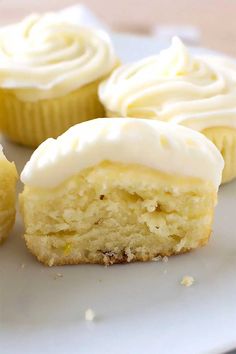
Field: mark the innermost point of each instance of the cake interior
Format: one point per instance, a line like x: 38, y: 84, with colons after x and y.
x: 115, y: 213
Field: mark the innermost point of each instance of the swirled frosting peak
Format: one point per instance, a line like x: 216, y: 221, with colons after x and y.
x: 47, y: 56
x: 197, y: 91
x: 165, y: 147
x: 173, y: 61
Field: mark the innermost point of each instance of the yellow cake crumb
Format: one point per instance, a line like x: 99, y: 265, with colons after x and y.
x: 89, y: 315
x: 187, y: 281
x: 129, y: 255
x: 51, y: 262
x: 136, y: 217
x: 67, y: 249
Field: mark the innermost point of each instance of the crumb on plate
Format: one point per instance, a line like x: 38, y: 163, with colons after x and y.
x: 58, y: 275
x: 89, y: 315
x: 187, y: 281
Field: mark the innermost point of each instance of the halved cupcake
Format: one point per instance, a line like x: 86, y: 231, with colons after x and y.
x: 119, y: 190
x: 176, y: 86
x: 50, y: 69
x: 8, y: 178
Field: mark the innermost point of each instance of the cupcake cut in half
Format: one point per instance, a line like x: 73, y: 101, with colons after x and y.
x: 8, y: 179
x: 119, y: 190
x: 177, y: 86
x: 50, y: 69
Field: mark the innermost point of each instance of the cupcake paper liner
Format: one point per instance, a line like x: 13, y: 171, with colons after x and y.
x: 225, y: 140
x: 30, y: 123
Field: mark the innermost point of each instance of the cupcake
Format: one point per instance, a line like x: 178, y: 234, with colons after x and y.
x: 50, y: 69
x: 176, y: 86
x: 119, y: 190
x: 8, y: 178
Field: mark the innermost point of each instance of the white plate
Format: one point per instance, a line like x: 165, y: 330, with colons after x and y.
x: 141, y: 308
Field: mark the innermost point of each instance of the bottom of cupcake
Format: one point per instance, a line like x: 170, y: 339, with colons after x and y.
x: 117, y: 213
x: 42, y: 249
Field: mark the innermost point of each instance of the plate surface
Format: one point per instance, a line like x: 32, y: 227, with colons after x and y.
x: 140, y: 308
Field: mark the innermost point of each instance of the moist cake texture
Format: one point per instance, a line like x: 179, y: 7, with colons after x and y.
x: 113, y: 210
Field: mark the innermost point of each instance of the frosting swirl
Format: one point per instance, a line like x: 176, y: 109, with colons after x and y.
x: 198, y: 92
x: 47, y: 56
x: 165, y: 147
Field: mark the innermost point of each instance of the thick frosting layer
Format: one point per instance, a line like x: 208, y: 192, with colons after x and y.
x: 198, y: 92
x: 165, y: 147
x: 47, y: 56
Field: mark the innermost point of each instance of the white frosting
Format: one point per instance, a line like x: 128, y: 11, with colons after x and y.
x: 198, y: 92
x: 47, y: 56
x: 165, y: 147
